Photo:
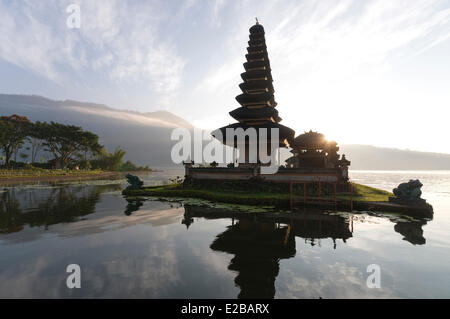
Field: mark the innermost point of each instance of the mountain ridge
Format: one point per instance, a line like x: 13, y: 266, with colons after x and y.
x: 146, y: 136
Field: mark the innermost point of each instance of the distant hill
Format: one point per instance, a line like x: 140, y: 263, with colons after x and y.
x: 169, y: 117
x: 381, y: 158
x: 146, y: 136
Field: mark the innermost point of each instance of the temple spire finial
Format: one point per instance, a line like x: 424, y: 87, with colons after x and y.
x: 256, y: 18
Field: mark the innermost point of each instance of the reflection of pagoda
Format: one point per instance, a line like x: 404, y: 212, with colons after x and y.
x: 258, y: 247
x: 257, y: 100
x: 314, y: 226
x: 187, y: 220
x: 258, y: 244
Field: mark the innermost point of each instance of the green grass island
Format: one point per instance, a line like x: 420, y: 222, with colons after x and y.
x: 353, y: 196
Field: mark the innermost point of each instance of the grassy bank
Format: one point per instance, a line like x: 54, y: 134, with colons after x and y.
x: 36, y: 172
x: 361, y: 193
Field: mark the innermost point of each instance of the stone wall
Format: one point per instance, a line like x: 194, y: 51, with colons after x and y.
x: 284, y: 175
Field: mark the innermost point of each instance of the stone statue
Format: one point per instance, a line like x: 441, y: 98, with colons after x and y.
x: 134, y: 181
x: 408, y: 190
x: 408, y: 193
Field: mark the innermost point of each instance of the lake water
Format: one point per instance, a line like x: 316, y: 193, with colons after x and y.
x: 158, y: 249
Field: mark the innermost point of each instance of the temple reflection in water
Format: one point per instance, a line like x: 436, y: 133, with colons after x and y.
x: 257, y: 248
x: 258, y: 243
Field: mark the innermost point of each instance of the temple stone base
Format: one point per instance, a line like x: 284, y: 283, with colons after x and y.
x: 408, y: 201
x: 284, y: 175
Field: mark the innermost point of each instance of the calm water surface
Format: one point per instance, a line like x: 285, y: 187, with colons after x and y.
x: 154, y: 249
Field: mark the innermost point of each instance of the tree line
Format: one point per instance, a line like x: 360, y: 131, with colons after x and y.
x: 70, y: 145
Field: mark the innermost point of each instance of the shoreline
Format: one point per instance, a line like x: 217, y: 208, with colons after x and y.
x: 56, y: 178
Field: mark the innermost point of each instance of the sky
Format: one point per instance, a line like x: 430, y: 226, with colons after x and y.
x: 361, y: 72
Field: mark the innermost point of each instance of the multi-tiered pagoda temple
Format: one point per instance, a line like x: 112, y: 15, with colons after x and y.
x: 314, y: 158
x: 257, y: 99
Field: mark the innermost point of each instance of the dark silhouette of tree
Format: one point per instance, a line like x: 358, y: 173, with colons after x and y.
x: 36, y: 136
x: 67, y: 141
x: 13, y: 131
x: 69, y: 144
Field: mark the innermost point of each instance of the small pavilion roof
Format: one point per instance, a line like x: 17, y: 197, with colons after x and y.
x: 310, y: 140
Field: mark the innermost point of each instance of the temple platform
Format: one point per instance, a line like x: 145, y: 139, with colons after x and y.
x: 284, y: 175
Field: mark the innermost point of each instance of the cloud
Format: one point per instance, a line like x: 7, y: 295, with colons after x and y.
x: 28, y: 43
x: 217, y: 6
x: 124, y: 40
x: 338, y: 37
